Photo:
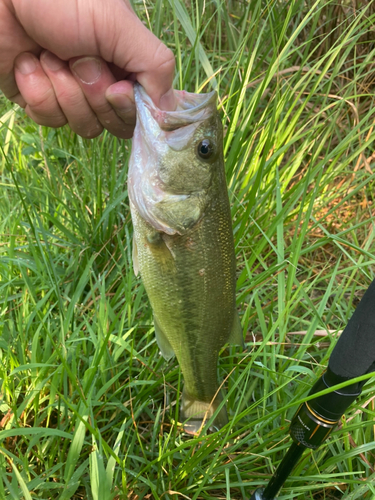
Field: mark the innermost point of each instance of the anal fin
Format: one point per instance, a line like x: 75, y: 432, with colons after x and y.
x: 236, y: 335
x: 163, y: 343
x: 135, y: 258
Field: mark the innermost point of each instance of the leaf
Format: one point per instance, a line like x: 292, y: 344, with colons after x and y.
x: 74, y: 482
x: 29, y: 139
x: 76, y: 445
x: 21, y: 482
x: 44, y: 432
x: 100, y: 488
x: 300, y: 369
x: 184, y: 19
x: 31, y: 366
x: 111, y: 461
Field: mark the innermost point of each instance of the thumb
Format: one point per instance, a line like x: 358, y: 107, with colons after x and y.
x: 141, y: 53
x: 157, y: 80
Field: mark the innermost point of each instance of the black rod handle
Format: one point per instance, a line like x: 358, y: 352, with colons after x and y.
x: 282, y: 472
x: 353, y: 356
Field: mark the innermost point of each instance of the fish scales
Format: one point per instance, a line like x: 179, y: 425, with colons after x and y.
x: 184, y: 245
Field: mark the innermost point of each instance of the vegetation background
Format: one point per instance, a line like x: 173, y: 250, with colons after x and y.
x: 88, y: 406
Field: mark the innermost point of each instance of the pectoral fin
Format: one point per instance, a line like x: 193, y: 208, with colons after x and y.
x: 135, y: 258
x: 178, y: 213
x: 163, y: 343
x: 236, y: 336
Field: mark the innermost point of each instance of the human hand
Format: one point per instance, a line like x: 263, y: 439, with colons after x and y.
x: 75, y: 61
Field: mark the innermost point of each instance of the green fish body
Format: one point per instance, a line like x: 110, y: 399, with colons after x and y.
x: 183, y: 242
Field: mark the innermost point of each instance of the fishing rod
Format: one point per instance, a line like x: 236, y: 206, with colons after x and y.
x: 352, y: 357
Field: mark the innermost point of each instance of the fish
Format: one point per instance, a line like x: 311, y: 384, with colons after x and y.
x: 183, y: 244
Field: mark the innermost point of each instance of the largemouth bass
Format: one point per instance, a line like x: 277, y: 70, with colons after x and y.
x: 183, y: 242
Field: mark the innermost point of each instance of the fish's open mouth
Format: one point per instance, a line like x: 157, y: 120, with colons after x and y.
x: 191, y: 108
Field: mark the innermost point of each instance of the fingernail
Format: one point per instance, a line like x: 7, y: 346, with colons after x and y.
x: 88, y: 69
x: 26, y: 64
x: 51, y: 61
x: 168, y: 101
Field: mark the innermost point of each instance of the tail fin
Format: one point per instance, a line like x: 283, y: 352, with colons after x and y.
x: 195, y: 413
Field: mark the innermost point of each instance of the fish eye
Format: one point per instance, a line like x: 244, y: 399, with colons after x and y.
x: 205, y: 149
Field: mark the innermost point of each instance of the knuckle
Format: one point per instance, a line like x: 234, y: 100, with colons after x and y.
x: 17, y: 99
x: 128, y: 116
x: 165, y: 58
x: 121, y: 132
x: 53, y: 121
x: 125, y: 135
x: 88, y: 133
x: 42, y: 102
x: 102, y: 109
x: 70, y: 98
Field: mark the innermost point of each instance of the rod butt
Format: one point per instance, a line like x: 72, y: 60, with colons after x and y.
x: 257, y: 495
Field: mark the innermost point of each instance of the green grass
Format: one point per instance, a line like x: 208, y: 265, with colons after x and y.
x: 87, y: 404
